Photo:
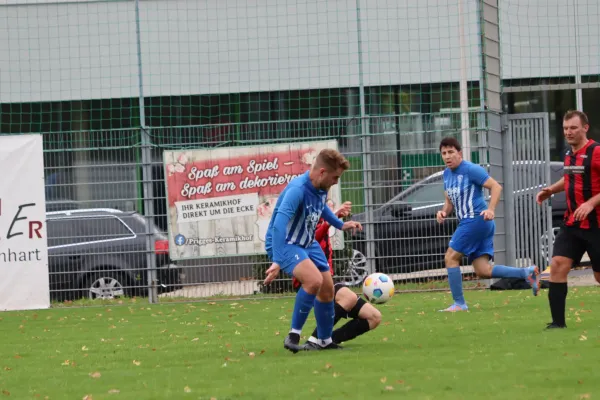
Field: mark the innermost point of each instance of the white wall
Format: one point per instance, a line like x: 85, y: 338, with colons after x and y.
x: 549, y: 37
x: 81, y: 50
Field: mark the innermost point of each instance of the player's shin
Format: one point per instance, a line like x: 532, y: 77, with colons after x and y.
x: 324, y: 314
x: 302, y: 307
x: 456, y: 287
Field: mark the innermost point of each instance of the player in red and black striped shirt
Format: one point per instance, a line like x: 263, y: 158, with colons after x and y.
x: 581, y: 230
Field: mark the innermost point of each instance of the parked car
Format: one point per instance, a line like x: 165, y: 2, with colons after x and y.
x: 102, y: 253
x: 407, y: 237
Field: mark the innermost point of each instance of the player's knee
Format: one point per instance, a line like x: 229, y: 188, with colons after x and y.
x: 312, y: 283
x: 346, y: 298
x: 559, y: 268
x: 374, y: 318
x: 451, y: 259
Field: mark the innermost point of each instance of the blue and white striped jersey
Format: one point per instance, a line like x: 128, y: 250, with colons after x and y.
x: 464, y: 187
x: 296, y: 214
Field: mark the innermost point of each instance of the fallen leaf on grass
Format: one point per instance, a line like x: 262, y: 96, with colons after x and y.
x: 114, y: 391
x: 137, y: 363
x: 400, y: 381
x: 84, y: 348
x: 276, y: 333
x: 583, y: 337
x: 6, y: 392
x: 585, y: 396
x: 389, y: 388
x: 195, y: 339
x: 88, y: 397
x: 67, y: 362
x: 95, y: 375
x: 383, y: 380
x: 336, y: 374
x: 7, y: 368
x: 328, y: 366
x: 251, y: 354
x: 187, y: 389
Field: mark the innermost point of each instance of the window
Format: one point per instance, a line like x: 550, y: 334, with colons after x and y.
x: 63, y: 232
x: 104, y: 228
x: 428, y: 194
x: 591, y: 105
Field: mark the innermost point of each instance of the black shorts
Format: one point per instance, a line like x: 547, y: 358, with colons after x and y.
x: 574, y: 242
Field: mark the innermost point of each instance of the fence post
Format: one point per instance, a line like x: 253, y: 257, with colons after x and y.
x: 366, y: 153
x: 146, y: 171
x: 509, y: 195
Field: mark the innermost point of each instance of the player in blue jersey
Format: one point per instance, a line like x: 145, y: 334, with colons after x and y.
x: 291, y: 246
x: 474, y: 237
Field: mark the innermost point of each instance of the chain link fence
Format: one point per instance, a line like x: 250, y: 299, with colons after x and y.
x: 111, y: 85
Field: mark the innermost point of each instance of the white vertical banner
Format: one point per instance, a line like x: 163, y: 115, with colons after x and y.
x: 24, y: 281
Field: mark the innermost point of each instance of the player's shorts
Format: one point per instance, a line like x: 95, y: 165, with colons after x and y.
x: 573, y: 243
x: 294, y: 255
x: 474, y: 238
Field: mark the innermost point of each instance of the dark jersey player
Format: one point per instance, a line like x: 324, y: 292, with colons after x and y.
x: 363, y: 316
x: 581, y: 230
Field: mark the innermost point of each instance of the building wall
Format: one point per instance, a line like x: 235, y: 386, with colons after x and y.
x: 87, y: 50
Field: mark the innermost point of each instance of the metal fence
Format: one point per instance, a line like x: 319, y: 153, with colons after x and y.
x: 107, y: 214
x: 127, y: 80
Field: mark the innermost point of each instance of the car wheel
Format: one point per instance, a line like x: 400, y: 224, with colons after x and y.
x: 357, y: 269
x: 105, y: 286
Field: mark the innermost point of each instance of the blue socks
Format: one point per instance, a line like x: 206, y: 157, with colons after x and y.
x: 324, y: 314
x: 502, y: 271
x: 304, y: 303
x: 455, y: 280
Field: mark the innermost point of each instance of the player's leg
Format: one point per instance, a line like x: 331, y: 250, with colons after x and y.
x: 483, y: 253
x: 324, y: 304
x: 340, y: 312
x: 365, y: 317
x: 299, y: 265
x: 452, y: 260
x: 593, y: 251
x: 568, y: 249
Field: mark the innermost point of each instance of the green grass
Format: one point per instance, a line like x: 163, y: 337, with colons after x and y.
x: 233, y: 350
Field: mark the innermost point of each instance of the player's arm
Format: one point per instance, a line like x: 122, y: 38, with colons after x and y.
x: 330, y: 217
x: 448, y: 207
x: 495, y: 191
x: 586, y: 208
x: 286, y: 211
x: 558, y: 186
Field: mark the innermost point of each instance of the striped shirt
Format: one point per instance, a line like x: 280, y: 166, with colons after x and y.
x: 464, y: 187
x: 582, y: 182
x: 296, y: 215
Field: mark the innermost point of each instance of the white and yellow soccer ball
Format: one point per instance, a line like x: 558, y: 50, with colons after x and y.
x: 378, y: 288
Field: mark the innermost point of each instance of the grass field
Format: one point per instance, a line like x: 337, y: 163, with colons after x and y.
x: 232, y: 349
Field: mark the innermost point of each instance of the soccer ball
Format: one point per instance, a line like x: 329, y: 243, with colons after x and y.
x: 378, y: 288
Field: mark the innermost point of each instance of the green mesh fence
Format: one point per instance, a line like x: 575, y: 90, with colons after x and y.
x: 113, y: 84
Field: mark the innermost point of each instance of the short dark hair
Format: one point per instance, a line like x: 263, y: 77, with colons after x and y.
x: 450, y: 142
x: 576, y: 113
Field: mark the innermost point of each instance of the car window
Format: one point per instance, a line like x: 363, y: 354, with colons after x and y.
x: 99, y: 228
x: 63, y: 231
x: 432, y: 193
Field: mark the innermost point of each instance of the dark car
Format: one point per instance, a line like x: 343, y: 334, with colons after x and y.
x: 407, y: 237
x: 102, y: 253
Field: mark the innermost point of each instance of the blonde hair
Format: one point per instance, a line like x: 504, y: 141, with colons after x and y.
x: 332, y: 160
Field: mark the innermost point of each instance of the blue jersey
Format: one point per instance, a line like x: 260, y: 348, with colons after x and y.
x: 464, y: 187
x: 295, y: 216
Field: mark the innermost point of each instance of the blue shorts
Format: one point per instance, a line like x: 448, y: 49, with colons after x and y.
x: 294, y: 255
x: 474, y: 238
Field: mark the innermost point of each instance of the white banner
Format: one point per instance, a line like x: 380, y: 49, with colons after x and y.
x: 220, y: 201
x: 24, y: 282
